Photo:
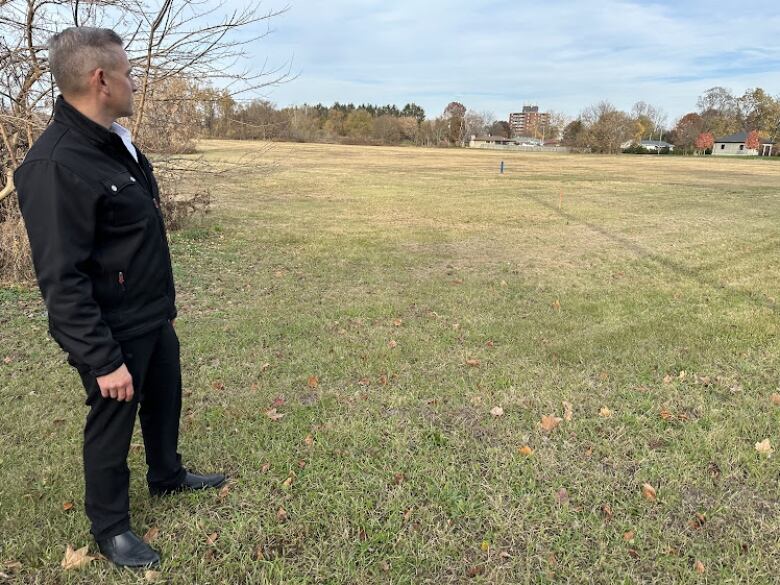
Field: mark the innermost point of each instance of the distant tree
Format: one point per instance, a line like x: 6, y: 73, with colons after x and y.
x: 556, y: 125
x: 409, y: 128
x: 607, y: 127
x: 475, y: 124
x: 753, y: 140
x: 704, y: 141
x: 761, y: 112
x: 413, y: 111
x: 687, y: 130
x: 500, y: 128
x: 335, y: 122
x: 720, y: 110
x: 573, y: 134
x: 386, y: 129
x: 455, y: 114
x: 359, y: 124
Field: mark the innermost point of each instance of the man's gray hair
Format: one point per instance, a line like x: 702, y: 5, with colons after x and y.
x: 76, y: 51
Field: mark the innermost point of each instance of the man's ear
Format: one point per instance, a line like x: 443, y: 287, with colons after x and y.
x: 98, y: 80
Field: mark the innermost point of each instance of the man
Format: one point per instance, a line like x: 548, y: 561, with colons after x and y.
x: 91, y: 206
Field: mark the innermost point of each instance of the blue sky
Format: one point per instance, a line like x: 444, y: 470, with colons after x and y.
x: 497, y: 55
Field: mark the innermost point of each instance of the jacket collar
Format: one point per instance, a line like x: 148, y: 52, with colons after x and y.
x: 66, y: 114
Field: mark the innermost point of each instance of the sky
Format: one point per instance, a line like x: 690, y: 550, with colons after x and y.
x: 498, y: 55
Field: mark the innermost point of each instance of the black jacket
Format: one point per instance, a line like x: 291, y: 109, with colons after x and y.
x: 98, y: 239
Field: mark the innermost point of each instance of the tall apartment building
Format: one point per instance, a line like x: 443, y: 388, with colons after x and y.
x: 529, y: 122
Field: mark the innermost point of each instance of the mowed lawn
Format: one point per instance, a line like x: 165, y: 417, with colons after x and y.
x: 415, y: 316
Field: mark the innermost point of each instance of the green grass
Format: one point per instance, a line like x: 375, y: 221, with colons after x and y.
x: 659, y: 265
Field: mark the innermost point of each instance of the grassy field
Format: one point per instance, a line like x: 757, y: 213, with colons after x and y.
x: 414, y: 315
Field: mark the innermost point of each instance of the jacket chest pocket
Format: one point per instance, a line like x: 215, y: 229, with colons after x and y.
x: 128, y: 202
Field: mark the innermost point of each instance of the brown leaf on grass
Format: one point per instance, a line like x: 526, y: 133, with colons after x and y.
x: 7, y: 360
x: 301, y: 463
x: 633, y: 553
x: 556, y: 305
x: 223, y: 493
x: 473, y: 363
x: 12, y: 566
x: 313, y: 381
x: 526, y: 451
x: 605, y: 412
x: 497, y: 411
x: 666, y: 415
x: 308, y: 440
x: 775, y: 398
x: 67, y: 506
x: 398, y: 322
x: 475, y: 571
x: 489, y: 343
x: 281, y: 515
x: 562, y: 496
x: 603, y: 375
x: 629, y: 536
x: 606, y: 511
x: 274, y: 415
x: 151, y: 534
x: 265, y: 367
x: 550, y: 422
x: 399, y: 478
x: 136, y: 447
x: 288, y: 482
x: 383, y: 380
x: 699, y: 567
x: 364, y: 382
x: 668, y: 379
x: 648, y: 492
x: 392, y: 344
x: 765, y: 448
x: 697, y: 521
x: 278, y: 401
x: 218, y: 385
x: 76, y: 559
x: 713, y: 469
x: 212, y: 538
x: 265, y: 468
x: 568, y: 411
x: 588, y: 452
x: 152, y: 576
x: 682, y: 376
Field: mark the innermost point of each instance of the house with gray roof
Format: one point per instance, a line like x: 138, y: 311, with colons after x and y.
x: 734, y: 145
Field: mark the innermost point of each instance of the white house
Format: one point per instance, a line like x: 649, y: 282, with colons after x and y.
x: 734, y: 145
x: 649, y: 145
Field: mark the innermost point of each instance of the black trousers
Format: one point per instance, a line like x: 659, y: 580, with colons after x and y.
x: 153, y: 362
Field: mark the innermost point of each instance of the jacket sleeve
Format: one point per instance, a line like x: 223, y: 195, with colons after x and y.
x: 60, y: 212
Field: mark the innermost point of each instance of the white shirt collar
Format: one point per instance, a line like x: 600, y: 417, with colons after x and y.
x: 126, y: 137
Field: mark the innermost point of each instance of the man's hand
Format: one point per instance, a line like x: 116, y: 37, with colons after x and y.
x: 117, y: 385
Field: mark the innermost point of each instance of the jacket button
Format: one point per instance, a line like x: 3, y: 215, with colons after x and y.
x: 113, y: 187
x: 132, y: 179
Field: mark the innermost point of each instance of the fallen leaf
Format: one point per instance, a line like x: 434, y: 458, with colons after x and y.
x: 278, y: 401
x: 776, y: 399
x: 281, y: 514
x: 485, y: 546
x: 504, y: 283
x: 588, y: 452
x: 714, y: 469
x: 568, y: 411
x: 392, y: 344
x: 212, y: 538
x: 549, y: 422
x: 603, y: 376
x: 648, y: 492
x: 398, y: 322
x: 67, y: 506
x: 301, y: 463
x: 525, y: 450
x: 223, y: 493
x: 475, y: 571
x: 605, y: 412
x: 383, y: 380
x: 265, y: 367
x: 274, y: 415
x: 152, y: 576
x: 633, y: 553
x: 265, y: 468
x: 364, y: 382
x: 7, y: 360
x: 76, y: 559
x: 218, y: 385
x: 562, y: 496
x: 151, y: 534
x: 606, y: 511
x: 12, y: 566
x: 399, y: 478
x: 308, y: 441
x: 765, y: 448
x: 288, y: 482
x: 497, y: 411
x: 556, y: 305
x: 682, y: 376
x: 698, y: 566
x: 489, y: 343
x: 668, y: 379
x: 697, y: 521
x: 629, y: 536
x: 472, y: 363
x: 666, y: 415
x: 313, y: 381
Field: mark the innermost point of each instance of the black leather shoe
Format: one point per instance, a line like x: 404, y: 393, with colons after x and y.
x: 127, y: 550
x: 191, y: 481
